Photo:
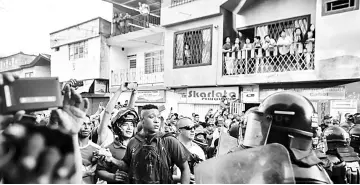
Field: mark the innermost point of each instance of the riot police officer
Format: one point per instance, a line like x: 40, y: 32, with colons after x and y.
x: 291, y: 125
x: 244, y: 142
x: 342, y: 156
x: 355, y: 138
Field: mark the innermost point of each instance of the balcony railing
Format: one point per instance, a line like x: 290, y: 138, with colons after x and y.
x: 135, y: 23
x: 253, y: 61
x: 148, y: 75
x: 236, y: 108
x: 180, y: 2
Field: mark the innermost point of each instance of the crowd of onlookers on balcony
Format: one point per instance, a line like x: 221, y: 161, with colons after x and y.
x: 124, y: 22
x: 290, y: 52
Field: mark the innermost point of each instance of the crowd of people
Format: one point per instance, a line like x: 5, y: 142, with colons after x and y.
x: 119, y: 145
x: 257, y: 55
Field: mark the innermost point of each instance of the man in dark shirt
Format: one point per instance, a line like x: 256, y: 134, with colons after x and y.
x: 123, y: 125
x: 178, y: 154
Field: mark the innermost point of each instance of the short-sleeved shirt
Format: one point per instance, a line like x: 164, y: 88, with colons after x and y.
x: 194, y: 149
x: 178, y: 153
x: 117, y: 150
x: 88, y: 159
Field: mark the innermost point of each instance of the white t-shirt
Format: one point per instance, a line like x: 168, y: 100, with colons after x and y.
x: 194, y: 149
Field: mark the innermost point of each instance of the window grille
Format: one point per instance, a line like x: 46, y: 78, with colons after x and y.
x: 274, y: 29
x: 339, y: 6
x: 132, y: 63
x: 193, y: 47
x: 180, y: 2
x: 78, y: 50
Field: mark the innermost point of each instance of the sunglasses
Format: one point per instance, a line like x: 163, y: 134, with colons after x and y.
x: 188, y: 128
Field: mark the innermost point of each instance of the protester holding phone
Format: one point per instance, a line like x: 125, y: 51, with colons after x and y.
x: 39, y: 162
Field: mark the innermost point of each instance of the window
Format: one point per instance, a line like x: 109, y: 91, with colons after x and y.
x: 180, y: 2
x: 132, y: 63
x: 193, y: 47
x: 29, y: 74
x: 339, y: 6
x: 78, y: 50
x: 154, y: 62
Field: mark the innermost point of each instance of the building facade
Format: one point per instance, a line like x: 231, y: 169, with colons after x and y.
x: 137, y: 52
x: 80, y: 53
x: 317, y: 56
x: 26, y: 66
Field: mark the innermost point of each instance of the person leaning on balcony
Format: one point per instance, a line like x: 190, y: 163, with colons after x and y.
x: 248, y: 47
x: 115, y: 25
x: 284, y: 43
x: 128, y: 20
x: 121, y: 24
x: 227, y: 51
x: 309, y: 45
x: 269, y: 45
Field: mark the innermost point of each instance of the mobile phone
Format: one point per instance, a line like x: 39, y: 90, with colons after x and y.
x: 30, y: 94
x: 131, y: 85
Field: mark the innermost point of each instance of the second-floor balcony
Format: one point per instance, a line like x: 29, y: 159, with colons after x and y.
x: 273, y: 60
x: 126, y: 24
x: 153, y: 74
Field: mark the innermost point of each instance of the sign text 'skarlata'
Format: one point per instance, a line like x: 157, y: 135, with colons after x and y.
x: 210, y: 95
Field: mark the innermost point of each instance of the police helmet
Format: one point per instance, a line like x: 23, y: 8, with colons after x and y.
x: 292, y: 116
x: 355, y: 136
x: 335, y: 134
x: 122, y: 116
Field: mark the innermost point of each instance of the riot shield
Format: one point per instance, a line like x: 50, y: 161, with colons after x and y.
x: 226, y: 143
x: 269, y: 164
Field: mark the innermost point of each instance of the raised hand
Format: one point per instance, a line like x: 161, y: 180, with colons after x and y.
x: 72, y: 115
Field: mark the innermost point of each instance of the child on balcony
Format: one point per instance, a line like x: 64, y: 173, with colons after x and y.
x: 236, y: 55
x: 298, y: 48
x: 309, y: 45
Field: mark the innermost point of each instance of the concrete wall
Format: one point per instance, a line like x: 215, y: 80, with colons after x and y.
x: 262, y: 11
x: 104, y: 58
x: 76, y: 33
x: 83, y: 68
x: 193, y: 76
x: 337, y: 44
x: 119, y: 60
x: 188, y: 11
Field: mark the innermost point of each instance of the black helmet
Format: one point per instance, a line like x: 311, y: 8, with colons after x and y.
x: 124, y: 115
x: 292, y: 116
x: 336, y: 134
x: 355, y: 137
x: 291, y: 112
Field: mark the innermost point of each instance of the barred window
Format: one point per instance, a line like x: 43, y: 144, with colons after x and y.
x: 273, y: 29
x: 339, y: 6
x: 193, y: 47
x: 180, y: 2
x: 154, y: 62
x: 78, y: 50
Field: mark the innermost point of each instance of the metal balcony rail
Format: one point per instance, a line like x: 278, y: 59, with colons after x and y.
x: 134, y: 23
x: 254, y: 61
x: 147, y: 75
x: 180, y: 2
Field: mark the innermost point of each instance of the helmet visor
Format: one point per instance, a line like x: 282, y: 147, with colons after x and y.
x: 257, y: 129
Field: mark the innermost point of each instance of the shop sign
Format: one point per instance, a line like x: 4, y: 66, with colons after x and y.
x: 210, y: 95
x: 157, y: 96
x: 311, y: 93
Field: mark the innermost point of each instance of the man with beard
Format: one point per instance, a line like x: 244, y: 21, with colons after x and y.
x: 87, y: 148
x: 122, y: 125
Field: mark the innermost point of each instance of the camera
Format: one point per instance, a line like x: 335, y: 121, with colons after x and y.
x: 30, y: 94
